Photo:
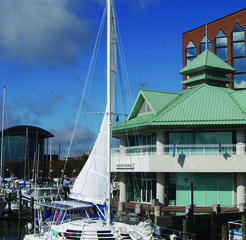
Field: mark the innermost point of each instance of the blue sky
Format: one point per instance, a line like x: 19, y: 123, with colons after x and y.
x: 46, y: 45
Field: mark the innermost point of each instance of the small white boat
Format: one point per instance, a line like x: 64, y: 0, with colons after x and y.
x: 41, y: 193
x: 77, y: 220
x: 235, y: 230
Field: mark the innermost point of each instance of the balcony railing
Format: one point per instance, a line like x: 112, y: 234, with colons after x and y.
x: 178, y: 149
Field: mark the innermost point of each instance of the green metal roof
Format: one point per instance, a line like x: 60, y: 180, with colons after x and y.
x: 207, y: 61
x: 156, y: 100
x: 205, y: 103
x: 240, y: 98
x: 198, y: 106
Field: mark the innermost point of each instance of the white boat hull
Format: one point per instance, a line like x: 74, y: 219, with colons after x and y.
x: 95, y: 229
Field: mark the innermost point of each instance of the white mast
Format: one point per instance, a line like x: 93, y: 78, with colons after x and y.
x: 108, y: 112
x: 2, y: 163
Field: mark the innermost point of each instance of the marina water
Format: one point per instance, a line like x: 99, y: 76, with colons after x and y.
x: 12, y: 229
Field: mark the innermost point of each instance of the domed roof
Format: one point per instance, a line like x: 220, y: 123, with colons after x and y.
x: 32, y: 131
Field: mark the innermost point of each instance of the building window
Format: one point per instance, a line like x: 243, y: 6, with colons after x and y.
x: 238, y: 43
x: 190, y: 52
x: 149, y: 139
x: 221, y: 45
x: 208, y: 188
x: 205, y: 41
x: 141, y: 187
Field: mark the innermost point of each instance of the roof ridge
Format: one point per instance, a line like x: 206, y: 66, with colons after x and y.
x: 226, y: 102
x: 236, y: 101
x: 236, y: 110
x: 146, y: 90
x: 174, y: 100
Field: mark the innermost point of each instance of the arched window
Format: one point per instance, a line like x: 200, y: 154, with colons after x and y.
x: 238, y: 43
x: 203, y: 43
x: 190, y: 52
x: 221, y: 45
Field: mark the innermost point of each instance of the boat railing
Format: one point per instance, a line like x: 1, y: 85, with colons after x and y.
x: 167, y: 233
x: 179, y: 149
x: 235, y: 229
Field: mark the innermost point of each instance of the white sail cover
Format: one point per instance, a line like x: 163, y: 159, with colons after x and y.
x: 91, y: 183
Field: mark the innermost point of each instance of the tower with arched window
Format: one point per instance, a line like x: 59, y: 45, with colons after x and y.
x: 226, y: 38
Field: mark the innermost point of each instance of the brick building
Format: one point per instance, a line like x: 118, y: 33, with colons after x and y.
x: 226, y: 38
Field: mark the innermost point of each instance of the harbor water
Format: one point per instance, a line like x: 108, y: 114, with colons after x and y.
x: 12, y: 229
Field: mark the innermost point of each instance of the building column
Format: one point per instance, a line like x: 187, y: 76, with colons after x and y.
x: 123, y: 145
x: 240, y: 138
x: 122, y: 187
x: 240, y: 188
x: 160, y: 141
x: 160, y: 187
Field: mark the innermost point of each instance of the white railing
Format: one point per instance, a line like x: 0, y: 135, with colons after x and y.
x: 178, y: 149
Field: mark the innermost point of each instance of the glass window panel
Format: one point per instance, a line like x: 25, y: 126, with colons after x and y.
x: 184, y: 138
x: 221, y: 42
x: 225, y: 137
x: 172, y: 192
x: 172, y: 176
x: 203, y: 46
x: 211, y: 176
x: 211, y: 192
x: 153, y: 138
x: 239, y: 64
x: 238, y: 28
x: 239, y: 80
x: 225, y: 192
x: 198, y: 176
x: 238, y: 49
x: 204, y: 40
x: 210, y: 137
x: 199, y: 193
x: 184, y: 176
x: 225, y: 176
x: 190, y: 52
x: 183, y: 193
x: 199, y: 138
x: 238, y: 36
x: 222, y: 53
x: 220, y: 34
x: 191, y: 45
x: 172, y: 138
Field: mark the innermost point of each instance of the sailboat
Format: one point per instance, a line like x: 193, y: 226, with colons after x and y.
x: 92, y: 189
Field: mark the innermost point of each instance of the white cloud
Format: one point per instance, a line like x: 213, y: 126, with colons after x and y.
x: 42, y: 32
x: 83, y: 140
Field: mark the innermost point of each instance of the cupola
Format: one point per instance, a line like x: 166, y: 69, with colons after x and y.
x: 207, y: 68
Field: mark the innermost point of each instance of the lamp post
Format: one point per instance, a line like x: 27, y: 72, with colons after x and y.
x: 191, y: 212
x: 74, y: 171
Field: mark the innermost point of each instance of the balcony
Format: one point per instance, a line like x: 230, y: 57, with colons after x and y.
x: 180, y: 158
x: 179, y: 149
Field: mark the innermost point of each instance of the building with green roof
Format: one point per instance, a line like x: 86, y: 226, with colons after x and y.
x: 172, y: 139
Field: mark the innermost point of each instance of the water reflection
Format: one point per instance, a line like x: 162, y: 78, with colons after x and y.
x: 12, y: 229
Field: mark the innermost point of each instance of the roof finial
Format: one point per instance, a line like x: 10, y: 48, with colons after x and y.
x: 206, y: 36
